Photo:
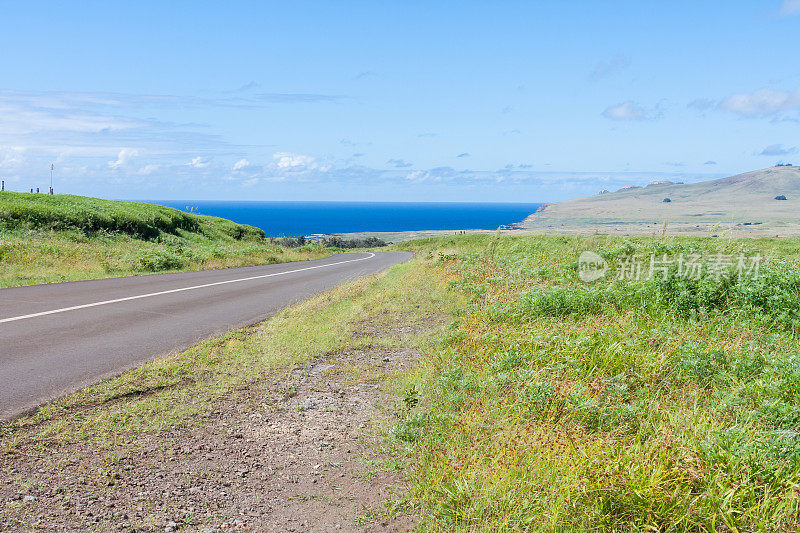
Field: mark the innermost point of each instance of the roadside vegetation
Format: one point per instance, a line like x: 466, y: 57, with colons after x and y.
x: 166, y: 443
x: 666, y: 404
x: 47, y: 239
x: 180, y: 389
x: 543, y: 403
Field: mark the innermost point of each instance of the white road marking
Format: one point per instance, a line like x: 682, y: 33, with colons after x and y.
x: 95, y: 304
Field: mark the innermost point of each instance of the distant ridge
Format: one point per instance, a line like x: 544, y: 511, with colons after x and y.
x: 744, y: 204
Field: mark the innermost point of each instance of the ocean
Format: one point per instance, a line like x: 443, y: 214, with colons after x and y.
x: 290, y: 219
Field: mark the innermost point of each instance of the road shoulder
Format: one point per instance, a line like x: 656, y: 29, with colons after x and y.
x: 282, y: 426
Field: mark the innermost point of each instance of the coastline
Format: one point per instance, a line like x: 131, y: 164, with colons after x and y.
x: 394, y: 237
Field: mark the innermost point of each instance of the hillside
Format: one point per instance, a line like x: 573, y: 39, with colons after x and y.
x: 64, y: 238
x: 94, y: 215
x: 744, y: 204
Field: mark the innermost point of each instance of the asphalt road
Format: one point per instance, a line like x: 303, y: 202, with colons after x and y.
x: 57, y: 338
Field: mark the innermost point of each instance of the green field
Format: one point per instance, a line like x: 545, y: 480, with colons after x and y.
x: 665, y: 404
x: 47, y: 238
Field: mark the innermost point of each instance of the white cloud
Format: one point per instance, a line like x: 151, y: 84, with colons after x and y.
x: 417, y: 176
x: 789, y: 7
x: 198, y: 162
x: 760, y: 103
x: 240, y: 164
x: 290, y: 161
x: 19, y: 120
x: 124, y: 157
x: 11, y: 157
x: 148, y: 169
x: 625, y: 111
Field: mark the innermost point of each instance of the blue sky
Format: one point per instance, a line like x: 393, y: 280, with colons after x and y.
x: 405, y: 101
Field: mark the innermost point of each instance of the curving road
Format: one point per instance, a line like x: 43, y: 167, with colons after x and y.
x: 60, y: 337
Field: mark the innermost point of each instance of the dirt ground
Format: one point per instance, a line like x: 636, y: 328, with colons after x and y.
x: 306, y: 455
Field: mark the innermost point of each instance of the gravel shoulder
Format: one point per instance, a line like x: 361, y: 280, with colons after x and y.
x: 305, y: 447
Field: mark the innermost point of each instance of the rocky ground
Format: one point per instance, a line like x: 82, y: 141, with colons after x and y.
x: 305, y: 452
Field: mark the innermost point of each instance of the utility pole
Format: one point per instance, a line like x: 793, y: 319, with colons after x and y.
x: 52, y: 168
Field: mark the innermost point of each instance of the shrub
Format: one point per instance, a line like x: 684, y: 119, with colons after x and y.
x: 338, y: 242
x: 158, y: 260
x: 773, y: 298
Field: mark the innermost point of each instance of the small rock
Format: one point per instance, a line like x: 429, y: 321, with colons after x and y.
x: 306, y: 405
x: 171, y: 526
x: 209, y: 529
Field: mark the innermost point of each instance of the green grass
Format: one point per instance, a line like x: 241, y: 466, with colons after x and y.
x: 547, y: 404
x: 47, y: 239
x: 660, y: 404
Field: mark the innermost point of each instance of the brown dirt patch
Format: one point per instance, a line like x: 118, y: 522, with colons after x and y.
x: 303, y: 452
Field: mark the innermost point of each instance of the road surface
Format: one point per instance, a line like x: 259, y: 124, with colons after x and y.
x: 60, y: 337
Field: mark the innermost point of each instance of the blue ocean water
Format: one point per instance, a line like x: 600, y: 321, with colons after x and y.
x: 289, y: 219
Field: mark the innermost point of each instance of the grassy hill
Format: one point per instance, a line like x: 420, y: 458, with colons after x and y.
x: 93, y: 215
x: 47, y: 238
x: 744, y: 204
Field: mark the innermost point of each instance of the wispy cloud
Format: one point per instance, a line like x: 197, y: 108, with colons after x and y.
x: 604, y: 69
x: 464, y: 154
x: 249, y: 86
x: 241, y: 164
x: 198, y: 162
x: 701, y: 104
x: 789, y: 7
x: 398, y: 163
x: 628, y: 110
x: 298, y: 98
x: 710, y: 162
x: 109, y: 137
x: 777, y: 149
x: 364, y: 74
x: 19, y: 118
